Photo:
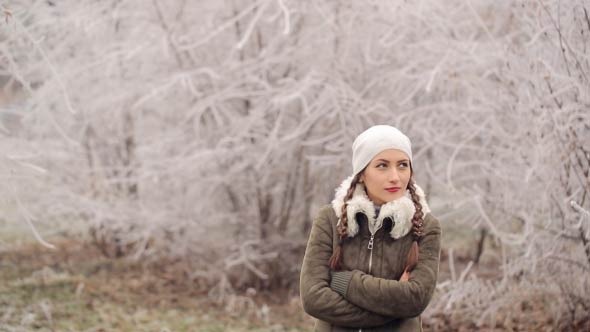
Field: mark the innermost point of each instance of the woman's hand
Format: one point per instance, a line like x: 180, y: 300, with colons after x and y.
x: 405, y: 276
x: 411, y: 262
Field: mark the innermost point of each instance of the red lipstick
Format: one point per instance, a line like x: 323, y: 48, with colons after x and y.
x: 393, y: 189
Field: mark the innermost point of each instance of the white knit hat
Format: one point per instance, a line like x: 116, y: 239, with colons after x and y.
x: 374, y: 140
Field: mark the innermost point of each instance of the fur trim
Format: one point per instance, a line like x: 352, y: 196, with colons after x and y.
x: 401, y: 210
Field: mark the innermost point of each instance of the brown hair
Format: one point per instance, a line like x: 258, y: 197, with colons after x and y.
x: 417, y: 227
x: 335, y: 261
x: 418, y: 219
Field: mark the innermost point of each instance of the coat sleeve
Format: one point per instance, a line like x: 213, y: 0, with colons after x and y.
x: 318, y: 299
x: 397, y: 299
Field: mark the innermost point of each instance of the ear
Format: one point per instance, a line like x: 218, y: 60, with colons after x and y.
x: 362, y: 178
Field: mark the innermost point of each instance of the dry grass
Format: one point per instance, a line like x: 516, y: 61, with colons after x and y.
x: 74, y: 288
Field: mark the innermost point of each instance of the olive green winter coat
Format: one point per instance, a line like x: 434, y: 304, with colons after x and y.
x: 367, y: 295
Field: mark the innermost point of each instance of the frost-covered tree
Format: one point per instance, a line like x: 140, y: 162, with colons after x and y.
x: 212, y: 131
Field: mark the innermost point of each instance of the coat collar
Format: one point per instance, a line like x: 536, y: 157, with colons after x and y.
x: 400, y: 210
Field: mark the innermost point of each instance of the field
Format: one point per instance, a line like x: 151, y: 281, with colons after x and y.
x: 74, y: 288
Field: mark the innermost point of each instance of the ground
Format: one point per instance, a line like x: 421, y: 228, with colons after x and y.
x: 74, y: 288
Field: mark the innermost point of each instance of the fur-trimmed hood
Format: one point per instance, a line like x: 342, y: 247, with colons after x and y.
x: 401, y: 210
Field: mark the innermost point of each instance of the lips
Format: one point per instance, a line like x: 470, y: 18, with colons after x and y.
x: 393, y: 189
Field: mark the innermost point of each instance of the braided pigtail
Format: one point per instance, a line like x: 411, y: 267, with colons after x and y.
x: 335, y: 261
x: 417, y: 227
x: 418, y: 219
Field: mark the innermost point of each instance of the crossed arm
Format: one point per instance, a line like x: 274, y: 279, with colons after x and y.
x: 318, y: 299
x: 362, y: 300
x: 392, y: 298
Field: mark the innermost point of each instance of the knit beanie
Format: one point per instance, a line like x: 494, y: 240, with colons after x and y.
x: 374, y: 140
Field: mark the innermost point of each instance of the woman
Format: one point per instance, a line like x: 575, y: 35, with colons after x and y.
x: 371, y: 262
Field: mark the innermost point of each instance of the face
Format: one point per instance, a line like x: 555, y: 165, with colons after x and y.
x: 387, y: 175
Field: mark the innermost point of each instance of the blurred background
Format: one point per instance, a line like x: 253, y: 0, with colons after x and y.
x: 161, y: 161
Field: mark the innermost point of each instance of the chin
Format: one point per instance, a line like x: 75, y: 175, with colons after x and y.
x: 389, y: 197
x: 394, y: 196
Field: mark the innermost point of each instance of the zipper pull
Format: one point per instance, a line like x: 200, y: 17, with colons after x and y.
x: 370, y: 246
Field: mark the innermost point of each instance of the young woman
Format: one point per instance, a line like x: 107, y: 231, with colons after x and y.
x: 371, y: 262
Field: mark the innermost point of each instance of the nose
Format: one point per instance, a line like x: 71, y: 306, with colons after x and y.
x: 393, y: 176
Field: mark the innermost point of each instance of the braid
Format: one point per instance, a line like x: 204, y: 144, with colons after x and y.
x: 335, y: 261
x: 343, y: 227
x: 417, y: 227
x: 418, y: 219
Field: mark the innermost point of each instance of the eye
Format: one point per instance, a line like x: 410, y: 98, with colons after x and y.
x: 381, y: 165
x: 404, y: 164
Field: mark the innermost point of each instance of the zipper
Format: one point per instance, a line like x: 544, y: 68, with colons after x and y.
x: 370, y: 247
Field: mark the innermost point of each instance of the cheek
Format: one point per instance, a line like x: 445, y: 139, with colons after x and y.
x: 375, y: 178
x: 372, y: 181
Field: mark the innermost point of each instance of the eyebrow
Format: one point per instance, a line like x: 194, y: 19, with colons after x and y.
x: 399, y: 161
